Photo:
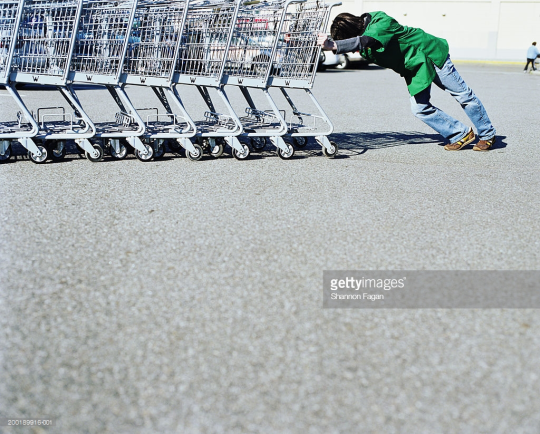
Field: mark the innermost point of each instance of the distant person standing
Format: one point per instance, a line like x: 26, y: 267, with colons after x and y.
x: 532, y: 54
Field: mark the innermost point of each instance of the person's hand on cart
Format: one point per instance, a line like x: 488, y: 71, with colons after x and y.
x: 325, y: 42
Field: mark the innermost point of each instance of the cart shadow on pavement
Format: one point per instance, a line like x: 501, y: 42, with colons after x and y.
x: 350, y: 145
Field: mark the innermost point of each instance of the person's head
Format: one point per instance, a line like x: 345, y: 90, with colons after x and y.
x: 534, y: 43
x: 347, y: 26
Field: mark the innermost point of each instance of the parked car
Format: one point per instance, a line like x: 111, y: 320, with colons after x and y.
x: 343, y: 61
x: 338, y: 61
x: 356, y: 58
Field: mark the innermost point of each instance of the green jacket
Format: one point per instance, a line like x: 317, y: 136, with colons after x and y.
x: 409, y: 51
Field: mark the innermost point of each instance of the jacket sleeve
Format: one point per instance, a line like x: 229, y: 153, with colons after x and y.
x: 358, y: 43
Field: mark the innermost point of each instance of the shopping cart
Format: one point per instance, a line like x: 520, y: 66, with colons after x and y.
x: 206, y: 39
x: 98, y: 59
x: 44, y: 45
x: 294, y: 67
x: 248, y: 65
x: 151, y: 59
x: 10, y: 18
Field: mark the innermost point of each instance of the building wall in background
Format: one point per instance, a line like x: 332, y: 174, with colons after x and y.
x: 475, y: 29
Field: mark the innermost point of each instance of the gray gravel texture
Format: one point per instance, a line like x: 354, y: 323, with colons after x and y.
x: 182, y: 297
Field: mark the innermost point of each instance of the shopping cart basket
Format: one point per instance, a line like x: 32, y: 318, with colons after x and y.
x: 295, y: 65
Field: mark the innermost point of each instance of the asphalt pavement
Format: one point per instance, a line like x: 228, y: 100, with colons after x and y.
x: 186, y: 297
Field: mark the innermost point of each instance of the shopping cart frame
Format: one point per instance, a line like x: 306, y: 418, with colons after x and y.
x: 9, y: 132
x: 89, y: 70
x: 77, y: 126
x: 330, y: 149
x: 226, y: 126
x: 245, y: 81
x: 161, y: 85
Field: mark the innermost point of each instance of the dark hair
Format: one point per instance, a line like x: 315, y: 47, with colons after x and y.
x: 534, y: 43
x: 347, y: 26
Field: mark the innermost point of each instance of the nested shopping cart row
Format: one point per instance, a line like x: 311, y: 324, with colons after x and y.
x: 161, y: 47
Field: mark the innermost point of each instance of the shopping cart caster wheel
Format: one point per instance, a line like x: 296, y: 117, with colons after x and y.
x: 58, y: 150
x: 217, y: 151
x: 197, y: 155
x: 149, y: 153
x: 300, y: 142
x: 123, y: 151
x: 159, y: 150
x: 99, y: 157
x: 258, y: 143
x: 6, y: 156
x: 286, y: 155
x: 328, y: 153
x: 42, y: 158
x: 241, y: 155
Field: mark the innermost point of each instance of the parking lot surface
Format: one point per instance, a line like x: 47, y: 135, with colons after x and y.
x: 186, y: 297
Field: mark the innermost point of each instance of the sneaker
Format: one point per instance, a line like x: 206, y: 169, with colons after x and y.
x: 456, y: 146
x: 484, y: 145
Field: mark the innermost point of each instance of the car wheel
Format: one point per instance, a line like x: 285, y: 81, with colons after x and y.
x: 343, y: 62
x: 322, y: 59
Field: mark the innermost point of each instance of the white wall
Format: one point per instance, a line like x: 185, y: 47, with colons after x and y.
x: 475, y: 29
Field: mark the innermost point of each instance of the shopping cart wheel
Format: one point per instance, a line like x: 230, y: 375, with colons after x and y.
x: 58, y: 150
x: 286, y: 155
x: 197, y: 155
x: 6, y: 156
x: 159, y: 148
x: 300, y: 142
x: 258, y: 143
x: 242, y: 155
x: 99, y: 157
x: 218, y: 149
x: 39, y: 160
x: 334, y: 150
x: 119, y: 155
x: 149, y: 153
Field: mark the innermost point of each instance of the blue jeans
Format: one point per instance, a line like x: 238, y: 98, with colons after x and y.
x: 449, y: 80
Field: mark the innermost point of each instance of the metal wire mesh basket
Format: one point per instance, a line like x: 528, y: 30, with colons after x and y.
x: 253, y: 44
x: 154, y: 40
x: 101, y: 41
x: 297, y: 54
x: 10, y: 12
x: 206, y: 38
x: 45, y: 38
